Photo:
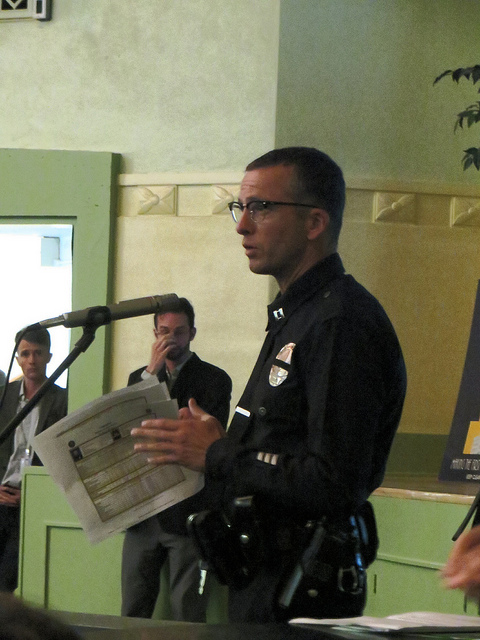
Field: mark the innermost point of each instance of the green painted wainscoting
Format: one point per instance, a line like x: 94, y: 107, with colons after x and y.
x: 415, y: 540
x: 61, y: 570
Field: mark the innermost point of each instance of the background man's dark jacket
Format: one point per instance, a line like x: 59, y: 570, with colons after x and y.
x: 53, y: 407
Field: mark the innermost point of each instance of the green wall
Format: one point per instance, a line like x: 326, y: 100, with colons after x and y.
x: 172, y: 85
x: 356, y: 79
x: 198, y: 85
x: 75, y: 188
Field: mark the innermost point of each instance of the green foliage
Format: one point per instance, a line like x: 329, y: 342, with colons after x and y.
x: 471, y: 115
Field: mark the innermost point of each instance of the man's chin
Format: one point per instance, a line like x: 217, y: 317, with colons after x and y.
x: 176, y: 355
x: 35, y: 377
x: 258, y: 267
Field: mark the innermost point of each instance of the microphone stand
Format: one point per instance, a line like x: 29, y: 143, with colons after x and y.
x: 473, y: 511
x: 94, y: 320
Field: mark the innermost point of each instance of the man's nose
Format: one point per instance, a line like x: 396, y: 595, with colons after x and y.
x: 245, y: 225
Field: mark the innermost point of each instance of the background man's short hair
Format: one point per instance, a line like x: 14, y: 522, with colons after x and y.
x: 319, y: 179
x: 182, y: 305
x: 37, y: 336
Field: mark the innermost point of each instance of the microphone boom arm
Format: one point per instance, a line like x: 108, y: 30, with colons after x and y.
x: 90, y: 319
x: 105, y: 314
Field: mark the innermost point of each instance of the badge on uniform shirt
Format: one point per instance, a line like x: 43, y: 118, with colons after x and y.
x: 279, y: 374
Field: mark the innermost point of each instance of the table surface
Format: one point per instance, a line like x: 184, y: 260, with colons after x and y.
x: 100, y: 627
x: 191, y: 631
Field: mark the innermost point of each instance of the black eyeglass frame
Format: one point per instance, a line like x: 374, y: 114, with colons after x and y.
x: 266, y: 204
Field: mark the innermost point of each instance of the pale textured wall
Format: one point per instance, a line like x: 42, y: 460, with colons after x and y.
x: 422, y: 261
x: 172, y: 85
x: 194, y: 251
x: 169, y: 84
x: 191, y: 86
x: 415, y: 247
x: 356, y: 79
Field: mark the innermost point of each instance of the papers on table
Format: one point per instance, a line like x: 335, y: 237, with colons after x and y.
x: 90, y: 456
x: 417, y: 622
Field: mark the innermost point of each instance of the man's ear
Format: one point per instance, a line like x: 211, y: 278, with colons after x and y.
x: 317, y: 223
x: 193, y: 333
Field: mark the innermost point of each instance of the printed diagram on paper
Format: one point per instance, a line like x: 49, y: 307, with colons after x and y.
x: 90, y: 455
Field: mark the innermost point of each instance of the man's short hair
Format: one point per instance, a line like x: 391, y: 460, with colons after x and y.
x: 37, y: 336
x: 180, y: 305
x: 319, y: 179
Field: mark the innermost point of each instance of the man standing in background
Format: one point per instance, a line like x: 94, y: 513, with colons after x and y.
x: 33, y: 355
x: 164, y: 536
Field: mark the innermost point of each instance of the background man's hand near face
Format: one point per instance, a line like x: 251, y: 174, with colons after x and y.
x: 160, y: 349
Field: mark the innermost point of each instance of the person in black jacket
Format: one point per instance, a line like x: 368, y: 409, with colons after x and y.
x: 150, y: 543
x: 312, y: 431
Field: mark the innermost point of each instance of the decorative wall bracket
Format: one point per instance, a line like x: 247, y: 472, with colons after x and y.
x: 222, y: 197
x: 182, y: 199
x: 465, y: 212
x: 394, y: 207
x: 158, y: 200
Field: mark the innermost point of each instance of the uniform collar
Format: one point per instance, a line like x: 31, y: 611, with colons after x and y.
x: 311, y: 281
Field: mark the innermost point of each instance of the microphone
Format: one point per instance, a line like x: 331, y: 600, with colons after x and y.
x: 97, y: 316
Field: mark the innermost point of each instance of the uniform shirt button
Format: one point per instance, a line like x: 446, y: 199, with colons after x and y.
x: 262, y: 411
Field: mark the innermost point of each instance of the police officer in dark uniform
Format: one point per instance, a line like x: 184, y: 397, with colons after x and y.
x: 313, y: 428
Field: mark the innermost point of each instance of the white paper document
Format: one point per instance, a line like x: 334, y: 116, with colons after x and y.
x: 402, y: 623
x: 90, y: 456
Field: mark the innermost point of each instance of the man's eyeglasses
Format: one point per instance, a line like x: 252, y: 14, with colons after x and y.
x: 258, y: 209
x: 178, y: 332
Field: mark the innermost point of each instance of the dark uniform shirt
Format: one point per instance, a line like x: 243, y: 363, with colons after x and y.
x: 313, y: 428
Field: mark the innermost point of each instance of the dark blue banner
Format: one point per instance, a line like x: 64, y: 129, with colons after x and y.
x: 462, y: 455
